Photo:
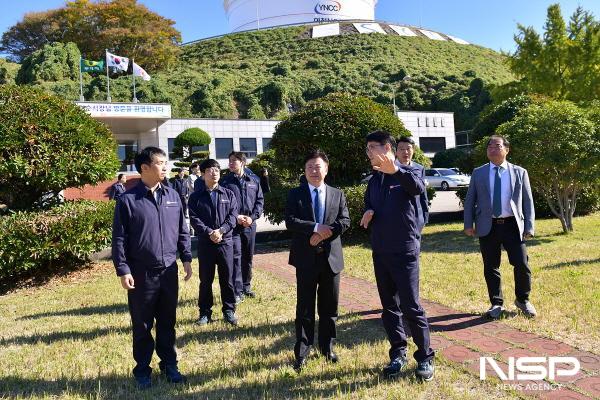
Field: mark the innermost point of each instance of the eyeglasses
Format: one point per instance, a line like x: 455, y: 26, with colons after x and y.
x: 372, y: 147
x: 495, y: 146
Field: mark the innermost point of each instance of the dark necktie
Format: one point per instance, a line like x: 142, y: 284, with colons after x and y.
x: 497, y: 203
x: 317, y: 206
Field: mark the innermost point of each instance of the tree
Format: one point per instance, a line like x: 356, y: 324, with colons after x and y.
x: 48, y: 144
x: 52, y: 63
x: 337, y: 124
x: 185, y: 143
x: 123, y: 26
x: 564, y: 63
x: 560, y: 147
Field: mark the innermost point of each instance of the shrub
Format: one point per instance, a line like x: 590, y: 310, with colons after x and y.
x: 48, y: 144
x: 192, y: 137
x: 47, y: 241
x: 338, y: 125
x: 449, y: 158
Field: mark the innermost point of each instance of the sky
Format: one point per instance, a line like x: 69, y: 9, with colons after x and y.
x: 489, y: 23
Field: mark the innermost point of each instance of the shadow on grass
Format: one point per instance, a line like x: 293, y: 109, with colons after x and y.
x: 574, y: 263
x: 452, y: 241
x: 224, y: 378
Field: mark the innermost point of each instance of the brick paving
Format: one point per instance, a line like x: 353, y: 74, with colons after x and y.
x: 463, y: 338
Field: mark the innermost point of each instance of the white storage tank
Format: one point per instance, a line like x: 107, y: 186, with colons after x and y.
x: 246, y: 15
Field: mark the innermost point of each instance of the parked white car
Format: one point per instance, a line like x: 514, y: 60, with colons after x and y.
x: 445, y: 178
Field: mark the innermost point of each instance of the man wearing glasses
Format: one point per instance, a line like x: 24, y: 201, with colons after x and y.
x: 392, y: 213
x: 500, y: 203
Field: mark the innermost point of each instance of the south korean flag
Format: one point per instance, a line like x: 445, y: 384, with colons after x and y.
x: 118, y: 62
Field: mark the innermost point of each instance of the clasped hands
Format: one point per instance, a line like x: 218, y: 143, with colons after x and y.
x: 323, y: 232
x: 244, y: 220
x: 216, y: 236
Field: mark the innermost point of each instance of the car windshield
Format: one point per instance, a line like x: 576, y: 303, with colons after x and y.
x: 446, y: 172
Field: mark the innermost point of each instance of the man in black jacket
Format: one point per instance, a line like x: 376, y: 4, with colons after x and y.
x: 179, y: 183
x: 149, y: 229
x: 392, y: 211
x: 249, y: 196
x: 317, y: 215
x: 213, y: 212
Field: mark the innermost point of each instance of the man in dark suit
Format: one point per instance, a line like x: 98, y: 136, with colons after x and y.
x: 404, y: 153
x: 500, y: 203
x: 317, y: 215
x: 391, y: 209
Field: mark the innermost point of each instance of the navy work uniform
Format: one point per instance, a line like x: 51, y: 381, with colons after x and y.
x: 395, y: 240
x: 116, y: 190
x: 148, y: 230
x: 180, y: 185
x: 249, y: 196
x: 212, y: 210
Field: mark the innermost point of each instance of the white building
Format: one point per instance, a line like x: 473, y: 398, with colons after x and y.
x: 246, y: 15
x: 137, y: 125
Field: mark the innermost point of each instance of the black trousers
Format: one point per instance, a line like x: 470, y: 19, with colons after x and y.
x: 397, y: 276
x: 154, y: 298
x: 322, y: 283
x: 505, y: 235
x: 221, y: 256
x: 243, y: 253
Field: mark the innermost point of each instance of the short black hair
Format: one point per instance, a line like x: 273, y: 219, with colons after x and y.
x: 209, y: 163
x: 406, y: 139
x: 239, y: 155
x: 119, y: 176
x: 505, y: 141
x: 145, y: 157
x: 381, y: 137
x: 316, y: 153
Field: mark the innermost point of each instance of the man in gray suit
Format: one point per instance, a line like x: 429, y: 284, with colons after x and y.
x: 500, y: 203
x: 316, y: 214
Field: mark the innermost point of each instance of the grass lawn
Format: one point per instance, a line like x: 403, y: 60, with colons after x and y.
x: 565, y: 274
x: 71, y: 339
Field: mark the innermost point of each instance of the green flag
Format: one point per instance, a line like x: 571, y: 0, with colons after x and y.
x: 92, y: 66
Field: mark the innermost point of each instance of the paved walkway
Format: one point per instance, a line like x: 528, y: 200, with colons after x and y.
x: 464, y: 338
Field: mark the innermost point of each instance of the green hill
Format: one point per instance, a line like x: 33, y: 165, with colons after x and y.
x: 265, y: 74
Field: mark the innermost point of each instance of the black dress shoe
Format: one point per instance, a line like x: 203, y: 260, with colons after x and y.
x: 332, y: 357
x: 299, y: 363
x: 249, y: 293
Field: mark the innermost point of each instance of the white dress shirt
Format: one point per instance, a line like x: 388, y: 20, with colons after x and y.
x: 321, y: 190
x: 505, y: 191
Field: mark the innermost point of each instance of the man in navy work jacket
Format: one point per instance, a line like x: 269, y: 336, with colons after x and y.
x: 316, y: 214
x: 391, y: 204
x: 213, y: 213
x: 500, y: 203
x: 179, y: 183
x: 117, y: 188
x: 249, y: 196
x: 149, y: 229
x: 404, y: 153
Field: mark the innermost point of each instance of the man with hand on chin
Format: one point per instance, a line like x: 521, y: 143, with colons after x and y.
x: 391, y: 210
x: 317, y: 215
x: 149, y: 229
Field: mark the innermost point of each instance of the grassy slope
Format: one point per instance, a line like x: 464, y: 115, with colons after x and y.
x: 566, y: 284
x: 225, y: 76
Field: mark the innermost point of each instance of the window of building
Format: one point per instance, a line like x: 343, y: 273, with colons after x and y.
x: 442, y: 122
x: 223, y: 147
x: 248, y: 146
x: 126, y: 152
x: 427, y: 122
x: 434, y: 123
x: 266, y: 143
x: 432, y: 144
x: 418, y: 122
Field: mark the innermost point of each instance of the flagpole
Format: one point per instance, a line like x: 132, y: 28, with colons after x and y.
x: 135, y: 100
x: 257, y: 15
x: 107, y: 77
x: 81, y: 98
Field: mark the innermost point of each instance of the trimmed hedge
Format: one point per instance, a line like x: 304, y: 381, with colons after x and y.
x: 47, y: 241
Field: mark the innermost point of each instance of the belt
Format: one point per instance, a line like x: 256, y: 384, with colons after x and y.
x: 501, y: 221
